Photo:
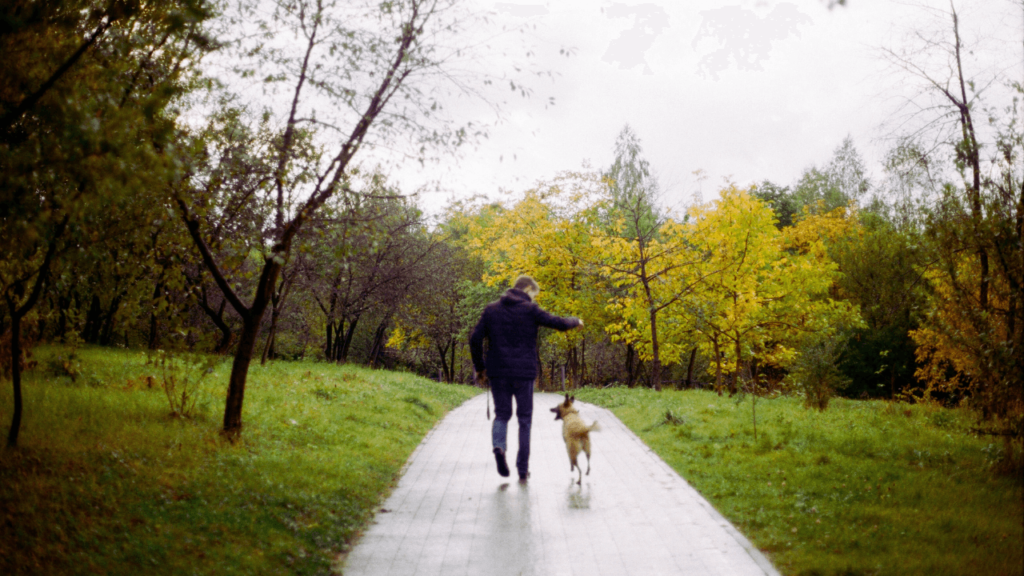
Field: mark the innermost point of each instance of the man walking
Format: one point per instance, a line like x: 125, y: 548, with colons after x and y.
x: 509, y: 325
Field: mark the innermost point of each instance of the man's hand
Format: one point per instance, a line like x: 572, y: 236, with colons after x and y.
x: 580, y: 325
x: 481, y: 378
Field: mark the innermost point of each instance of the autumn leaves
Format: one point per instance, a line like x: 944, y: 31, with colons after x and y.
x: 722, y: 278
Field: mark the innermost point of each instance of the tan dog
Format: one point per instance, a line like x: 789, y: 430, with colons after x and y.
x: 575, y: 433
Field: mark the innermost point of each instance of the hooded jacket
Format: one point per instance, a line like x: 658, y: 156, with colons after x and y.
x: 510, y: 325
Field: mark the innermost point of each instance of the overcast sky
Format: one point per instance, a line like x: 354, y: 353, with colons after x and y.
x: 746, y: 90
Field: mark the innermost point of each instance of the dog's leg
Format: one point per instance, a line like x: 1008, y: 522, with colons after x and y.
x: 574, y: 453
x: 586, y: 450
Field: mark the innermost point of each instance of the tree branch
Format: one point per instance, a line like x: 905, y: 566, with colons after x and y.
x: 193, y: 229
x: 11, y: 117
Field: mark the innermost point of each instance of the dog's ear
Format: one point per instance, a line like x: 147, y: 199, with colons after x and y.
x: 567, y: 399
x: 572, y: 399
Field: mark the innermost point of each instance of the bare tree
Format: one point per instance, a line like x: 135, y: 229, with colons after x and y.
x: 944, y: 109
x: 336, y: 80
x: 964, y: 125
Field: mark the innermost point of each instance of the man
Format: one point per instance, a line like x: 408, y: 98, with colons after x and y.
x: 510, y: 327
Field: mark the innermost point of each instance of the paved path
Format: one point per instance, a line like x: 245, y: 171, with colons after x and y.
x: 451, y: 514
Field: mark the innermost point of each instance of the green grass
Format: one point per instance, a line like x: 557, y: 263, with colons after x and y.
x: 106, y: 481
x: 862, y: 488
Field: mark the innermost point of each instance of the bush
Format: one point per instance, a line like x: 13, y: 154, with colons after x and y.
x: 816, y: 372
x: 182, y: 378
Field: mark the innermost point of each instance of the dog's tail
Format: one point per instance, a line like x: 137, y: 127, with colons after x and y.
x: 595, y: 427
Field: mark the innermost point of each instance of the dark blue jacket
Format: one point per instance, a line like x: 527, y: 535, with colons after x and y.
x: 509, y: 325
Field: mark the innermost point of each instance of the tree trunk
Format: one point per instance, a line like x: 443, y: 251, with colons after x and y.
x: 12, y: 435
x: 347, y: 342
x: 378, y: 343
x: 251, y: 320
x: 583, y: 360
x: 689, y: 368
x: 734, y: 381
x: 268, y: 348
x: 656, y: 358
x: 90, y: 332
x: 63, y: 303
x: 718, y: 367
x: 106, y: 336
x: 329, y: 348
x: 154, y: 322
x: 41, y: 327
x: 1017, y: 330
x: 630, y: 373
x: 451, y: 376
x: 239, y: 371
x: 16, y: 315
x: 338, y: 342
x: 442, y: 353
x: 217, y: 317
x: 971, y: 155
x: 154, y: 332
x: 226, y: 339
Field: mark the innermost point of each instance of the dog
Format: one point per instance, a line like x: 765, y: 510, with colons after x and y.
x: 575, y: 433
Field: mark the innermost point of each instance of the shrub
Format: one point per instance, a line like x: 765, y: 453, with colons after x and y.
x: 182, y: 378
x: 816, y: 372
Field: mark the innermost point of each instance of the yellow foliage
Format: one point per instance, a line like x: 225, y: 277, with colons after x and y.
x: 951, y: 351
x: 546, y: 234
x: 401, y: 338
x: 728, y: 280
x: 724, y: 279
x: 814, y: 230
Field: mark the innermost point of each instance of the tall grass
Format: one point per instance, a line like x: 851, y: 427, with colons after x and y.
x: 107, y: 479
x: 862, y: 488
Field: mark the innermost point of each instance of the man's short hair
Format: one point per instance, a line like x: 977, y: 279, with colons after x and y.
x: 526, y: 284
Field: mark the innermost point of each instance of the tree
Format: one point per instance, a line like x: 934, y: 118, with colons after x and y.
x: 952, y: 96
x: 633, y: 190
x: 780, y: 199
x: 767, y: 291
x: 432, y: 318
x: 840, y: 183
x: 371, y: 252
x: 632, y: 223
x: 967, y: 343
x: 547, y: 234
x: 881, y: 274
x: 86, y: 88
x: 357, y: 74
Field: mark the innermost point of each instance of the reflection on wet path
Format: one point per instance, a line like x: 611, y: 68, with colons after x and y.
x: 451, y: 513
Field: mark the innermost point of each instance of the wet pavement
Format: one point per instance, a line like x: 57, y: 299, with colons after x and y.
x: 452, y: 514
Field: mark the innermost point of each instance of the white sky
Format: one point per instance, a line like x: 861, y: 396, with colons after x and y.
x: 770, y: 92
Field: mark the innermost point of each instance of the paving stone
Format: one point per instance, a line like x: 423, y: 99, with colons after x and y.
x: 452, y: 514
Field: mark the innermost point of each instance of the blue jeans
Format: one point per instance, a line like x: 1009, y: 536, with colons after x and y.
x: 503, y: 391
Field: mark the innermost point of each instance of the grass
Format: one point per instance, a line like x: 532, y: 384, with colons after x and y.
x: 105, y: 480
x: 870, y: 488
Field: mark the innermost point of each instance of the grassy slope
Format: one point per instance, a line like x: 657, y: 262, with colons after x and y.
x: 863, y: 488
x: 105, y: 482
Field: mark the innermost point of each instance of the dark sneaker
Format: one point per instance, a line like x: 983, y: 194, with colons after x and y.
x: 499, y: 456
x: 523, y: 476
